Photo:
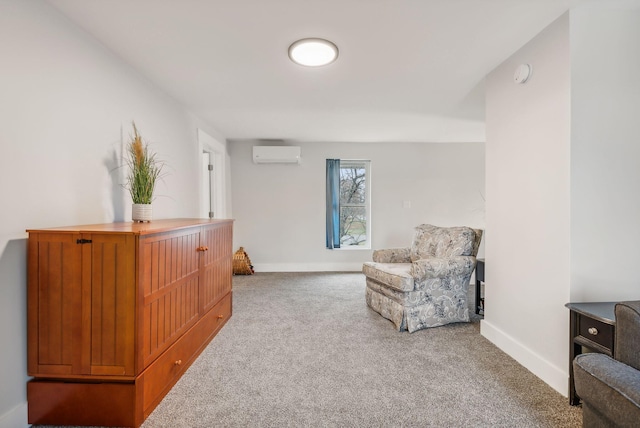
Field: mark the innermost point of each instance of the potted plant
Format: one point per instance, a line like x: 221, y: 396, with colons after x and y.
x: 144, y: 172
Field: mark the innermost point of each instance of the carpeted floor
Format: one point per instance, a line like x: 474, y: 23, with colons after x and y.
x: 304, y: 350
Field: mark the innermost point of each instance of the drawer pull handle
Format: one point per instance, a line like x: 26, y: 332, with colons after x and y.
x: 178, y: 362
x: 593, y: 331
x: 220, y: 317
x: 202, y: 248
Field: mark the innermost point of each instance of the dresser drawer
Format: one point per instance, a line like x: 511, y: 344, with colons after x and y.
x: 596, y: 331
x: 164, y: 372
x: 160, y: 376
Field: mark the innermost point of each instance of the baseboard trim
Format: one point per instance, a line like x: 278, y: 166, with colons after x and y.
x: 308, y: 267
x: 555, y: 377
x: 16, y: 417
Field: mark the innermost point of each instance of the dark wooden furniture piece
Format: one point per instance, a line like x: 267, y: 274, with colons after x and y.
x: 117, y: 312
x: 479, y: 281
x: 591, y: 326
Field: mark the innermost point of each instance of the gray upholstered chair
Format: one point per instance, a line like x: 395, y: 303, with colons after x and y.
x: 424, y: 285
x: 610, y: 387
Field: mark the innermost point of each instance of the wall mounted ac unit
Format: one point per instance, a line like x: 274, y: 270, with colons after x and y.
x: 276, y: 154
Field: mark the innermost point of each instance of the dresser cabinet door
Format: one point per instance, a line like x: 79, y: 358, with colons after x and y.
x: 54, y: 307
x: 169, y: 284
x: 109, y: 305
x: 216, y: 270
x: 81, y: 304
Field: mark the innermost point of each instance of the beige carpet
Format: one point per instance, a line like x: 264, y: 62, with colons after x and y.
x: 304, y: 350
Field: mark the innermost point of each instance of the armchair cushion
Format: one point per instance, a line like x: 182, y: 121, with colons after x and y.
x: 395, y: 275
x: 443, y: 267
x: 434, y: 241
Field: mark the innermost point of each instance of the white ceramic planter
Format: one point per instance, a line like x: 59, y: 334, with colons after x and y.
x: 141, y: 212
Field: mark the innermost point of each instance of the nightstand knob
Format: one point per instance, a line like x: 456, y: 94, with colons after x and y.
x: 593, y: 330
x: 178, y: 362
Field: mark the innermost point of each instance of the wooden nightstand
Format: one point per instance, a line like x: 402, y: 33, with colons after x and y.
x: 592, y: 328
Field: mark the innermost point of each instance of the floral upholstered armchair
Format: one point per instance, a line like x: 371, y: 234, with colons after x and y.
x: 424, y: 285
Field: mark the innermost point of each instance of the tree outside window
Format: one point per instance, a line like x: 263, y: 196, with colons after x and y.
x: 354, y: 204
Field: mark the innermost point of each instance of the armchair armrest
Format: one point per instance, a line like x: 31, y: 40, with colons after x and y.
x: 392, y: 255
x: 610, y: 387
x: 435, y: 267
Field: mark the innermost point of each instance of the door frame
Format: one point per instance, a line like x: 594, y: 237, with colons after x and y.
x: 212, y: 151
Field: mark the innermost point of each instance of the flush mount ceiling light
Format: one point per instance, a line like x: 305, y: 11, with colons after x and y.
x: 313, y: 52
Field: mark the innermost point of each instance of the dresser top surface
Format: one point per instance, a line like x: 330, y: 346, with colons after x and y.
x: 155, y: 226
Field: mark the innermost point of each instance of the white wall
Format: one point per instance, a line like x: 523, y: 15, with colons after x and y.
x: 605, y: 154
x: 563, y: 167
x: 280, y: 209
x: 66, y: 103
x: 528, y: 252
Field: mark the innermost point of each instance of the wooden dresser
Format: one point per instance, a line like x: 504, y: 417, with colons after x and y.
x: 117, y: 312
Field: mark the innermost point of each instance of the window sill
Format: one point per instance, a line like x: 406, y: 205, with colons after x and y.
x: 352, y: 248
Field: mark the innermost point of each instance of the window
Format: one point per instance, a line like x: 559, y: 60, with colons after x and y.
x: 348, y: 203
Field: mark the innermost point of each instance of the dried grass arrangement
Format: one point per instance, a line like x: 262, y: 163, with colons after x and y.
x: 144, y: 169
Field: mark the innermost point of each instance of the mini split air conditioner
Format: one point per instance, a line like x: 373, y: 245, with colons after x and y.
x: 276, y: 154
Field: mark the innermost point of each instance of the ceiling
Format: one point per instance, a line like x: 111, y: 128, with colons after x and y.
x: 408, y: 70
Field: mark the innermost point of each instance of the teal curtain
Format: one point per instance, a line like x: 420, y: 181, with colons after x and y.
x: 333, y: 203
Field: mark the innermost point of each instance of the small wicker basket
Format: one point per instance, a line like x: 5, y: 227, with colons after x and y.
x: 242, y: 263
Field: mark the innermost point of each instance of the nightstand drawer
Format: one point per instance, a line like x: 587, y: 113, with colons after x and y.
x: 596, y: 331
